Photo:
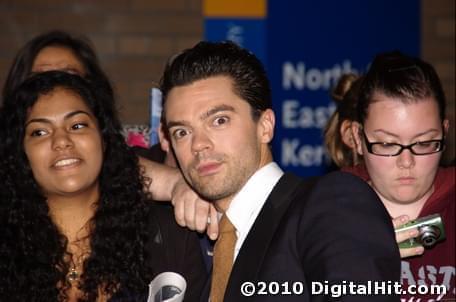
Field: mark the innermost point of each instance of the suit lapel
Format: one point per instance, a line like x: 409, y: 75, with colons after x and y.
x: 255, y: 246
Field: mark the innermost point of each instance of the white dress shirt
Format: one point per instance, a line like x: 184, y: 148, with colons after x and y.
x: 247, y: 203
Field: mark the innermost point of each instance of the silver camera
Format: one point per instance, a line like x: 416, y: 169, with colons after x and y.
x: 430, y: 230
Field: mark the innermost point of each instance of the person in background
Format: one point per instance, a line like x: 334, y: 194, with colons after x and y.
x: 59, y: 50
x: 76, y: 222
x: 400, y: 132
x: 56, y: 50
x: 340, y: 143
x: 274, y: 226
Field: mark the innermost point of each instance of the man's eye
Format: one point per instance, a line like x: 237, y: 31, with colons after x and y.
x: 179, y: 133
x: 221, y: 120
x: 38, y: 132
x: 78, y: 126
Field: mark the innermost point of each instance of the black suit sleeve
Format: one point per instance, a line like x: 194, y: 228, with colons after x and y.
x: 347, y: 235
x: 176, y: 249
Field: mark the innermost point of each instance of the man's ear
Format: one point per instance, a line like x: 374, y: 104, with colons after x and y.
x: 163, y: 138
x: 266, y: 125
x: 356, y: 130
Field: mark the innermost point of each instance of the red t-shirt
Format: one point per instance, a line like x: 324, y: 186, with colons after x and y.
x: 437, y: 265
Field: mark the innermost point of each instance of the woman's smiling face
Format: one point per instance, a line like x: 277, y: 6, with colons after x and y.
x: 63, y: 143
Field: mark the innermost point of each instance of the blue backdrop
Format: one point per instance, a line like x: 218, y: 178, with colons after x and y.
x: 306, y: 46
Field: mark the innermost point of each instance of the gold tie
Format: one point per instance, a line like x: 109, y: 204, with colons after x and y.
x: 223, y: 259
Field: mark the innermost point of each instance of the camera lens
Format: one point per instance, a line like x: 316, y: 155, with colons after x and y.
x: 428, y: 235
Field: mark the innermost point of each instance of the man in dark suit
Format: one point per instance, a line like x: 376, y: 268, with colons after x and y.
x: 282, y: 238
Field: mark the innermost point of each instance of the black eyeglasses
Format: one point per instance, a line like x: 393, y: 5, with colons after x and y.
x: 393, y: 149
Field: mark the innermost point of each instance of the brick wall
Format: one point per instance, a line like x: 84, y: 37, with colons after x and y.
x: 135, y: 37
x: 438, y: 47
x: 132, y: 37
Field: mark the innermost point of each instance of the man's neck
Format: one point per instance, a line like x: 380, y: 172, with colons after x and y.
x: 222, y: 205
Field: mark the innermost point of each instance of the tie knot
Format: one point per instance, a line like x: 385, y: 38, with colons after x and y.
x: 226, y: 225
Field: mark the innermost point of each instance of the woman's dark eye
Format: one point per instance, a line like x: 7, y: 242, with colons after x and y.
x: 38, y: 132
x: 78, y: 126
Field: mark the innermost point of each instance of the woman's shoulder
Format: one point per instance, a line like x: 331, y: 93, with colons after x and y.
x: 358, y: 170
x: 445, y: 180
x: 446, y: 174
x: 443, y: 197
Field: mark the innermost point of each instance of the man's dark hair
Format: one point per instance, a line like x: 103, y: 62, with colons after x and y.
x: 209, y: 59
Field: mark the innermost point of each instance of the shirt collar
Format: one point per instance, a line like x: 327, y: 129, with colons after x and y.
x: 247, y: 203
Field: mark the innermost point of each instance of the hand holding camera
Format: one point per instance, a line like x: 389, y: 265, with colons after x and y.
x: 430, y: 230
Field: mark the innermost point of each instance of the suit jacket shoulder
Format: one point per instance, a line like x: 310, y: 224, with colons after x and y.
x: 332, y: 229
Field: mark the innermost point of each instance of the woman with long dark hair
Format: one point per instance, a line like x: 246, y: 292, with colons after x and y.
x: 60, y: 50
x: 76, y: 222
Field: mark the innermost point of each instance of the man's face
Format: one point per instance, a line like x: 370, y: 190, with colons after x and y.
x: 217, y: 143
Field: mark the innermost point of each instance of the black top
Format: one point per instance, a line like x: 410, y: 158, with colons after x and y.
x: 171, y: 248
x: 174, y: 248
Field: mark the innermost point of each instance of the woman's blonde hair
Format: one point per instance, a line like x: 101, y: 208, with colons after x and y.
x: 345, y: 94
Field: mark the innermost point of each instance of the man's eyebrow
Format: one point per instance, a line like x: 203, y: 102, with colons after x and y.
x: 203, y: 116
x: 48, y: 121
x: 216, y: 110
x: 171, y: 124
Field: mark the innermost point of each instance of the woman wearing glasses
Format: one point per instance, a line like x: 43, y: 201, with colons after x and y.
x: 401, y: 135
